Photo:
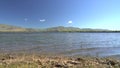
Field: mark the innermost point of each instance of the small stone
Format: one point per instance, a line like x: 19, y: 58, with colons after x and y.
x: 39, y: 62
x: 79, y: 59
x: 58, y: 65
x: 72, y: 62
x: 2, y: 59
x: 111, y: 63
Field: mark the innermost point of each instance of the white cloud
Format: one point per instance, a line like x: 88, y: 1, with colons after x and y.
x: 42, y: 20
x: 70, y: 22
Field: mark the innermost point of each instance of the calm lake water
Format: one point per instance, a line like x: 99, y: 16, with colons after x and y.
x: 68, y: 44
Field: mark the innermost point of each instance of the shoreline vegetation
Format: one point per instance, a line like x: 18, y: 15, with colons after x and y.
x: 43, y: 61
x: 10, y: 28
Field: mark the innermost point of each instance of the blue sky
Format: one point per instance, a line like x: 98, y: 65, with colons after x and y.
x: 104, y: 14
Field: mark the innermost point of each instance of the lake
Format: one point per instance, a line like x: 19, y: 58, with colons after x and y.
x: 68, y: 44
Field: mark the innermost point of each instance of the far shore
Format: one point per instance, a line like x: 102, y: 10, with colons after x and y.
x: 59, y: 31
x: 44, y: 61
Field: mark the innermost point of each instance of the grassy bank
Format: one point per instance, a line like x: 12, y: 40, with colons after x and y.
x: 41, y: 61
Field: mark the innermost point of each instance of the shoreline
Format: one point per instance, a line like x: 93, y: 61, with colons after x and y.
x: 44, y: 61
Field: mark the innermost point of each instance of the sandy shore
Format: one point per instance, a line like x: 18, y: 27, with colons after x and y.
x: 42, y: 61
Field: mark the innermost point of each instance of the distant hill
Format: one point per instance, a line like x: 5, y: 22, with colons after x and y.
x: 63, y: 29
x: 73, y: 29
x: 10, y: 28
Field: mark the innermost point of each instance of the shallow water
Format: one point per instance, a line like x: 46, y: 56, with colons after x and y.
x: 69, y: 44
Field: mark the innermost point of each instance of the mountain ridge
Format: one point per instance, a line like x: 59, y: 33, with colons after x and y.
x: 11, y: 28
